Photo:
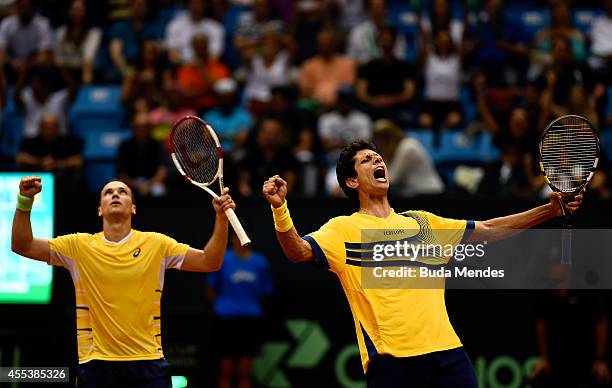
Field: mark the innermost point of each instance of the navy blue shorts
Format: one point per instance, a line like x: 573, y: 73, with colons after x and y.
x: 124, y: 374
x: 445, y: 369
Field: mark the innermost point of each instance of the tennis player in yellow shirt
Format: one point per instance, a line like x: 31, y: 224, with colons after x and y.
x: 404, y: 334
x: 118, y: 277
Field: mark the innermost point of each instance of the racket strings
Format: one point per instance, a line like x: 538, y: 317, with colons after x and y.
x: 569, y: 152
x: 196, y: 151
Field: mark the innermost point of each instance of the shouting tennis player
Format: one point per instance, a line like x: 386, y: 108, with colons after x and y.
x: 118, y: 277
x: 404, y: 334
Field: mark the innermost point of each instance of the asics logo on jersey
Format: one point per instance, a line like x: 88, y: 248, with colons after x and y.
x: 136, y: 252
x: 394, y: 232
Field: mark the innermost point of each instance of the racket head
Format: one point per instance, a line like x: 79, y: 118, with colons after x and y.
x: 569, y: 153
x: 196, y: 151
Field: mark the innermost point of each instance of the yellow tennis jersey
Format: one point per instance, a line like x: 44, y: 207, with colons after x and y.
x: 402, y: 322
x: 118, y: 288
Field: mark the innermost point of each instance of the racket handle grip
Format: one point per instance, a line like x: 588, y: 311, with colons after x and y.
x: 242, y: 236
x: 566, y: 246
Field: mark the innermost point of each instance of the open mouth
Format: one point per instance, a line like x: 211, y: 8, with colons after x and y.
x: 379, y: 174
x: 115, y: 203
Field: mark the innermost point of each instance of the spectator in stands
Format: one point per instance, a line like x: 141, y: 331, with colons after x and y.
x: 560, y: 23
x: 217, y: 9
x: 144, y: 84
x: 497, y: 45
x: 565, y: 72
x: 117, y: 10
x: 285, y: 9
x: 268, y: 69
x: 321, y: 75
x: 386, y: 85
x: 601, y: 44
x: 251, y: 29
x: 77, y: 43
x: 532, y: 103
x: 53, y: 152
x: 364, y: 42
x: 495, y: 103
x: 440, y: 18
x: 578, y: 103
x: 169, y: 112
x: 577, y: 360
x: 349, y: 14
x: 344, y: 124
x: 186, y: 25
x: 198, y: 77
x: 600, y: 185
x: 25, y: 38
x: 41, y: 97
x: 311, y: 16
x: 310, y: 158
x: 411, y: 170
x: 519, y: 134
x: 442, y: 72
x: 231, y: 121
x: 517, y: 173
x: 267, y: 158
x: 128, y: 36
x: 295, y: 115
x: 140, y: 161
x: 238, y: 292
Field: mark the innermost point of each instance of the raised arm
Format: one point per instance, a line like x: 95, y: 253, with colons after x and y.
x: 295, y: 248
x: 210, y: 258
x: 504, y: 227
x: 22, y: 241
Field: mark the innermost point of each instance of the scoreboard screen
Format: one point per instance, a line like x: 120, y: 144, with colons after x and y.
x: 23, y: 280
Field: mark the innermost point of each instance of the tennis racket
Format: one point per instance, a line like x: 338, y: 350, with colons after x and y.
x: 569, y: 153
x: 196, y: 153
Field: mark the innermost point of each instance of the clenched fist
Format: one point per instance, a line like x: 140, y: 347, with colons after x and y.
x: 30, y: 186
x: 275, y: 190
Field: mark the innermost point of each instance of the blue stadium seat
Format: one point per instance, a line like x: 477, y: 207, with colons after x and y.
x: 98, y: 173
x: 487, y: 149
x: 456, y: 148
x: 234, y: 16
x: 166, y: 14
x: 425, y: 137
x: 96, y: 107
x: 104, y: 144
x: 583, y: 18
x: 532, y: 19
x: 402, y: 17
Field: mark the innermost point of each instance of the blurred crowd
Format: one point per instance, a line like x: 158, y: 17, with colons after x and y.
x: 286, y: 84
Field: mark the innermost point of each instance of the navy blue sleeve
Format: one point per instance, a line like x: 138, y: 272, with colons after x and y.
x: 319, y: 255
x: 469, y: 229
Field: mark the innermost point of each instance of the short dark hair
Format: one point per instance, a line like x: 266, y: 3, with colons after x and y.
x: 388, y: 29
x: 346, y: 166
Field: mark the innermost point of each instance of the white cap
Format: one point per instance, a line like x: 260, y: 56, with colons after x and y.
x: 225, y: 86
